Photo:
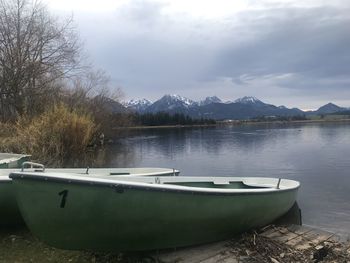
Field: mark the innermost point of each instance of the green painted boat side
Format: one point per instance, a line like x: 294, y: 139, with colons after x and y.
x: 83, y: 215
x: 9, y: 212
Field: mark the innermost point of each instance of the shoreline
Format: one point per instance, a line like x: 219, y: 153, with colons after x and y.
x: 230, y: 123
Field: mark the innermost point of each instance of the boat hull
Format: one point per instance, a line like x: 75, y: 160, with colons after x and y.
x: 107, y: 217
x: 9, y: 212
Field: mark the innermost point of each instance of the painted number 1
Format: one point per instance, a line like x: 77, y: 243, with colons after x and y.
x: 64, y: 194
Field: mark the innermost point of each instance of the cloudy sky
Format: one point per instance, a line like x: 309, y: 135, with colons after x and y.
x: 292, y: 52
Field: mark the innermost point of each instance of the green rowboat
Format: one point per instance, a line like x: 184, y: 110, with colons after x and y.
x: 146, y: 213
x: 9, y: 213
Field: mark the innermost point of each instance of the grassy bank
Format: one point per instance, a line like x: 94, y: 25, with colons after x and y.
x: 19, y: 245
x: 57, y: 134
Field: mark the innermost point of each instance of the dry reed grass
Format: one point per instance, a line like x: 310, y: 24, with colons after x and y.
x: 52, y: 137
x: 6, y: 130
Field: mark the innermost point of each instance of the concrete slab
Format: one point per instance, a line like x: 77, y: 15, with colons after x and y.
x: 299, y: 238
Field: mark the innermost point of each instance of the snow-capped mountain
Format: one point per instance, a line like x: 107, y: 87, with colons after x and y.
x: 212, y: 107
x: 171, y: 103
x: 179, y: 99
x: 138, y: 105
x: 209, y: 100
x: 249, y: 100
x: 245, y: 108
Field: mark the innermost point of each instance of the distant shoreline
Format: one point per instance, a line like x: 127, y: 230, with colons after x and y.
x: 229, y: 123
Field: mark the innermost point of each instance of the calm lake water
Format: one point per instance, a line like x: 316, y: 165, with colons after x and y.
x: 317, y: 155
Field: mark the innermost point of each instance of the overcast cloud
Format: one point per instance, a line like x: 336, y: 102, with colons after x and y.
x: 280, y: 52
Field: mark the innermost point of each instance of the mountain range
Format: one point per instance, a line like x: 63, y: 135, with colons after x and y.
x: 214, y: 108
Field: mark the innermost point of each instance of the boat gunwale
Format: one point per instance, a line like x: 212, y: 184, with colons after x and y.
x: 120, y: 185
x: 158, y: 171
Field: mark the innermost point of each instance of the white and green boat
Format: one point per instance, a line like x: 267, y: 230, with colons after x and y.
x: 9, y: 213
x: 11, y: 160
x: 104, y: 213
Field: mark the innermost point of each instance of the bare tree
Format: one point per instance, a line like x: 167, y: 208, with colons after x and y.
x: 87, y: 87
x: 36, y: 52
x: 91, y: 92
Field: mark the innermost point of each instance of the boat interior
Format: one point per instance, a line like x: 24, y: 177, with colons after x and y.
x: 210, y: 182
x: 155, y: 178
x: 218, y: 182
x: 228, y: 185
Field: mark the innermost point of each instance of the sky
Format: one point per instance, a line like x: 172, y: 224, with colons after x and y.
x: 293, y: 53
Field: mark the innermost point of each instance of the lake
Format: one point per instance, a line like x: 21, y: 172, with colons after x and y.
x: 317, y: 155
